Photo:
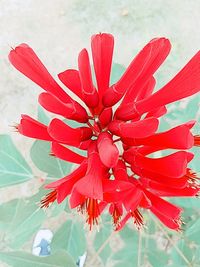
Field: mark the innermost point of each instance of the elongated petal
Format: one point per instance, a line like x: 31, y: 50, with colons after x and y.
x: 164, y: 206
x: 75, y: 175
x: 65, y: 153
x: 24, y: 59
x: 149, y: 179
x: 106, y: 116
x: 63, y: 133
x: 89, y: 92
x: 157, y: 113
x: 167, y: 221
x: 137, y: 129
x: 73, y: 111
x: 173, y: 165
x: 142, y: 66
x: 105, y: 143
x: 179, y: 137
x: 102, y: 50
x: 71, y: 79
x: 34, y: 129
x: 184, y: 84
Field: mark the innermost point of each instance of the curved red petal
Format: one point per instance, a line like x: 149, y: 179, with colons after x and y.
x: 71, y: 79
x: 33, y: 128
x: 105, y: 143
x: 102, y: 51
x: 142, y: 67
x: 73, y: 111
x: 24, y: 59
x: 63, y: 133
x: 89, y: 92
x: 65, y: 153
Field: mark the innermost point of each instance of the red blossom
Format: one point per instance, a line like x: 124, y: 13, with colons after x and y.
x: 118, y: 170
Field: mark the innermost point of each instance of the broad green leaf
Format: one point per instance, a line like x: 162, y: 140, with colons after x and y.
x: 23, y: 259
x: 193, y: 232
x: 42, y: 116
x: 46, y: 163
x: 116, y: 73
x: 13, y: 167
x: 99, y: 240
x: 70, y: 237
x: 20, y: 219
x: 179, y: 260
x: 147, y: 250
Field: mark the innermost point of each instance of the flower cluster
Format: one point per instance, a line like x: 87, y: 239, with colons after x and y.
x: 118, y: 171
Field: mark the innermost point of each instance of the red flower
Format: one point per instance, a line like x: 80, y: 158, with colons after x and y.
x: 117, y: 170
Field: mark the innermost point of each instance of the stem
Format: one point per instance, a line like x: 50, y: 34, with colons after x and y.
x: 171, y: 241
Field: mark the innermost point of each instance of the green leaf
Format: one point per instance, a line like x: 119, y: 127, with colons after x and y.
x: 185, y: 250
x: 20, y: 219
x: 116, y: 73
x: 70, y: 237
x: 23, y: 259
x: 147, y: 251
x: 100, y: 238
x: 46, y: 163
x: 42, y: 116
x: 13, y: 167
x: 193, y: 232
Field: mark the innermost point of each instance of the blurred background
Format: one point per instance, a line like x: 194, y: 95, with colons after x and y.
x: 57, y: 31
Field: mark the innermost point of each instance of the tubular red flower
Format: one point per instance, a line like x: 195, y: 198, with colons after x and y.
x: 118, y: 170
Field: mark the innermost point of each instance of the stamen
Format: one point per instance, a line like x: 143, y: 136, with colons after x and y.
x: 90, y: 207
x: 138, y: 218
x: 48, y: 199
x: 196, y: 140
x: 116, y: 216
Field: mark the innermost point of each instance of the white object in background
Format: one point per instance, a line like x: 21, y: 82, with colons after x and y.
x: 82, y: 260
x: 41, y: 243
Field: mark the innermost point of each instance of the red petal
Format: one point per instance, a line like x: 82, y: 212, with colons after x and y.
x: 184, y: 84
x: 163, y: 206
x: 132, y: 199
x: 105, y: 117
x: 179, y: 137
x: 142, y: 67
x: 102, y: 51
x: 76, y: 199
x: 34, y: 129
x: 71, y: 79
x: 66, y: 154
x: 105, y: 143
x: 151, y: 179
x: 75, y: 176
x: 89, y: 92
x: 120, y: 171
x: 114, y: 191
x: 24, y: 59
x: 169, y: 222
x: 67, y: 135
x: 147, y: 89
x: 158, y: 112
x: 91, y: 185
x: 173, y: 165
x: 73, y: 111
